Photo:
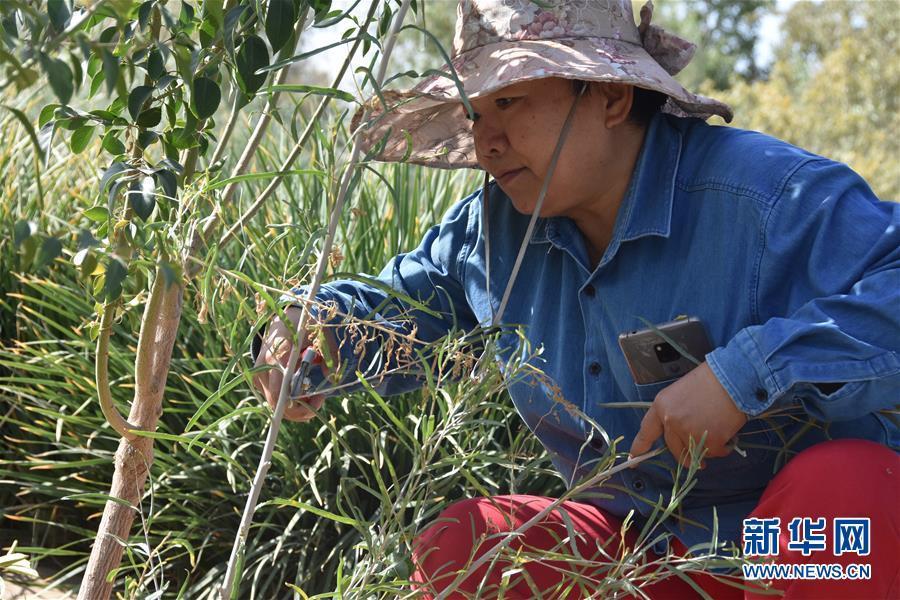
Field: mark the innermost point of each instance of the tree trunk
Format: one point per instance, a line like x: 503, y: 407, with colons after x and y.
x: 133, y: 458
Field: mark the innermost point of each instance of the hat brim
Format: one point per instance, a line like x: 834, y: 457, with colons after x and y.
x: 428, y: 125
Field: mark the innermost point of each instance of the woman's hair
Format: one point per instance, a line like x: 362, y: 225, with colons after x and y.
x: 644, y: 105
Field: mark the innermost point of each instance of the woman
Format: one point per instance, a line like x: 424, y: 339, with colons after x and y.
x: 624, y: 207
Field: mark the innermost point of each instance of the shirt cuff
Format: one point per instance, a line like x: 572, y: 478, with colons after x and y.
x: 741, y: 369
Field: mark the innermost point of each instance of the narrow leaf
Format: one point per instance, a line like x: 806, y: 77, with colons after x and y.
x: 29, y: 128
x: 110, y: 70
x: 312, y: 89
x: 231, y: 20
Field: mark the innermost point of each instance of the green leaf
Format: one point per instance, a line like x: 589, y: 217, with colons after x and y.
x: 45, y: 139
x: 9, y: 24
x: 183, y: 138
x: 110, y: 70
x: 252, y: 55
x: 29, y: 129
x: 86, y: 239
x: 111, y: 173
x: 60, y: 77
x: 144, y: 14
x: 280, y: 22
x: 142, y: 197
x: 150, y: 117
x: 206, y: 97
x: 50, y: 249
x: 231, y: 20
x: 88, y: 262
x: 112, y: 144
x: 59, y: 14
x: 167, y: 181
x: 156, y: 67
x: 312, y: 89
x: 47, y: 114
x: 145, y: 138
x: 22, y: 231
x: 80, y: 139
x: 316, y: 511
x: 116, y: 272
x: 137, y: 98
x: 97, y: 214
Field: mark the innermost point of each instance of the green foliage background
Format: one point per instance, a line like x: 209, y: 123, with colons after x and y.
x: 356, y: 484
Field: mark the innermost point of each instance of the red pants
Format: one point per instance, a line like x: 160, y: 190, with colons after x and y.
x: 842, y: 478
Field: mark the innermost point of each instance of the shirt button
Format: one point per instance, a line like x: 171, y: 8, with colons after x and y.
x: 638, y: 484
x: 761, y: 394
x: 595, y: 368
x: 589, y: 291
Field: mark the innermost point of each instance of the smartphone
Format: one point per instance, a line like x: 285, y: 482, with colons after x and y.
x: 652, y: 358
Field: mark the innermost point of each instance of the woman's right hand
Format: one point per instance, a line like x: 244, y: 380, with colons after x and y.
x: 275, y: 350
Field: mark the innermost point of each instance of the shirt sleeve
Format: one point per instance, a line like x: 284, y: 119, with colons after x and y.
x: 828, y: 300
x: 419, y: 295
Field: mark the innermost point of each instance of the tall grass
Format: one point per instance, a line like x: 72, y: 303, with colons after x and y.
x: 346, y: 492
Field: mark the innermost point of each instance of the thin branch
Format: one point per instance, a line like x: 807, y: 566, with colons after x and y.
x: 101, y: 375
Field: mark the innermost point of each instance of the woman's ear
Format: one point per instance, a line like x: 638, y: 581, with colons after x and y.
x: 617, y: 99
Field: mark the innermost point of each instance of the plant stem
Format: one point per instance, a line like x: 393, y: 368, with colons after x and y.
x: 134, y: 456
x: 101, y: 376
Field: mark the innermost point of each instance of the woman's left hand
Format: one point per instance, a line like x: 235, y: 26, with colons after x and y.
x: 695, y: 404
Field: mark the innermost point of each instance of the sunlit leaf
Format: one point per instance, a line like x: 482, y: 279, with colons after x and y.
x: 141, y: 196
x: 81, y: 137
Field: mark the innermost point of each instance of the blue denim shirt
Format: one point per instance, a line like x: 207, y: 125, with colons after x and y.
x: 789, y: 259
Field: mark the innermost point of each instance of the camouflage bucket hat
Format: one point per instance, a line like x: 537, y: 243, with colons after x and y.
x: 502, y: 42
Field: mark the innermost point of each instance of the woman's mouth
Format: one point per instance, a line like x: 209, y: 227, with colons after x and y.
x: 506, y: 177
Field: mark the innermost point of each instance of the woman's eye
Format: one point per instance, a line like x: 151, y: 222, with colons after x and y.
x: 504, y: 102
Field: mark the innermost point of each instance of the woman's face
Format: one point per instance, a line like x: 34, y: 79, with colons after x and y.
x: 517, y: 129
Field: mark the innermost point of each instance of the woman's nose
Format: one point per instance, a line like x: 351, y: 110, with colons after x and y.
x: 490, y: 139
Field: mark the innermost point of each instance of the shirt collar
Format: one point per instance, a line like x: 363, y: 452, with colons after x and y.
x: 646, y: 208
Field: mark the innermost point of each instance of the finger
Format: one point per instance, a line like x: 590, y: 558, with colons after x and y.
x: 677, y: 446
x: 304, y: 409
x: 273, y: 387
x: 650, y: 431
